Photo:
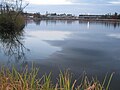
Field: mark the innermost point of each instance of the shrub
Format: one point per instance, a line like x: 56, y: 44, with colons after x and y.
x: 11, y: 22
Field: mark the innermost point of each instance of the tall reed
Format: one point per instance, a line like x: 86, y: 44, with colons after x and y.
x: 30, y: 80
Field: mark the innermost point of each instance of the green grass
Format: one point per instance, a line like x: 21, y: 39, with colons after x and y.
x: 29, y: 80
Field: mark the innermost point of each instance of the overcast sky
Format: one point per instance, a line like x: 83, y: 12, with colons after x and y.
x: 96, y: 1
x: 75, y: 7
x: 46, y: 2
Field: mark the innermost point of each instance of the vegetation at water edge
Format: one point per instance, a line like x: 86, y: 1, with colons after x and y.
x: 30, y: 80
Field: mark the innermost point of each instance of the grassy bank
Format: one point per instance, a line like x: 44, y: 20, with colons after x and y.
x: 30, y: 80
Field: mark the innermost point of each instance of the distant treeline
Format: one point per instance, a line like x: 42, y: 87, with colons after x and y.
x: 65, y: 16
x: 112, y: 16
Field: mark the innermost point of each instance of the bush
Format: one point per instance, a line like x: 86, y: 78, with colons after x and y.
x: 11, y: 22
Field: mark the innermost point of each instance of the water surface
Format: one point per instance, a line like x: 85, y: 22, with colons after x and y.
x: 80, y: 46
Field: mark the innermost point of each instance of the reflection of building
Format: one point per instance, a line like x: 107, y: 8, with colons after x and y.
x: 88, y: 25
x: 90, y: 16
x: 106, y: 23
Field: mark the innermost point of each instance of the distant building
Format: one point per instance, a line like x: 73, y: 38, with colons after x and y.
x: 63, y: 15
x: 69, y: 15
x: 51, y: 14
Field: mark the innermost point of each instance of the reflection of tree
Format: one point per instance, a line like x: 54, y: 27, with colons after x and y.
x: 12, y: 44
x: 37, y: 21
x: 106, y: 23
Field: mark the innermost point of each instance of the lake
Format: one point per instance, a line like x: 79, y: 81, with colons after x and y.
x: 54, y: 45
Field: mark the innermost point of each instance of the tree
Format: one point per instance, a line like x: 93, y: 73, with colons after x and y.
x: 115, y: 15
x: 119, y: 16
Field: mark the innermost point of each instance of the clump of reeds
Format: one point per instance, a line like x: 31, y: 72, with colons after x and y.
x: 9, y: 23
x: 11, y: 15
x: 27, y: 80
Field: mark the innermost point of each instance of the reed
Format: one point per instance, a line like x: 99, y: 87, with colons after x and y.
x: 9, y: 23
x: 29, y: 80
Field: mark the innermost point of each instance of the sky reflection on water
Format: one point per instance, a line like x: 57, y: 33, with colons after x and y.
x: 90, y: 46
x: 36, y: 39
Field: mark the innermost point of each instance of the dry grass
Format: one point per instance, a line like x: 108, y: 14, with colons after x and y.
x: 10, y: 22
x: 27, y: 80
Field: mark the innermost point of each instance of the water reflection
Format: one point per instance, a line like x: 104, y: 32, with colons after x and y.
x: 11, y: 44
x: 88, y: 23
x: 78, y: 45
x: 37, y: 22
x: 105, y: 23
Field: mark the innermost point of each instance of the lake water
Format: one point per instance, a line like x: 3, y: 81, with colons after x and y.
x: 80, y: 46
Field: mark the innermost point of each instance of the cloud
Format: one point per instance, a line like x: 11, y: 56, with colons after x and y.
x: 50, y: 2
x: 115, y: 2
x: 95, y: 1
